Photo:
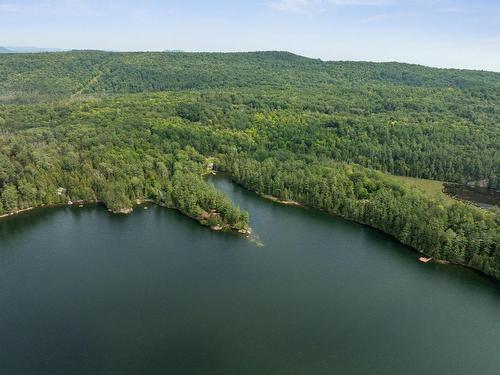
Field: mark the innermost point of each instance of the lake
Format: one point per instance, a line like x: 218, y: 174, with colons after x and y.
x: 86, y: 292
x: 480, y: 196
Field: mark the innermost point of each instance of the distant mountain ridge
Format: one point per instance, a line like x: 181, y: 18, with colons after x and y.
x: 90, y: 72
x: 14, y: 49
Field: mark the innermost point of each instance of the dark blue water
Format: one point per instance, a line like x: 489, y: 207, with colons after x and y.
x: 86, y: 292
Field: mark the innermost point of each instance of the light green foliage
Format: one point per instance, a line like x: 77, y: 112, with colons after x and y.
x: 9, y: 198
x: 118, y: 127
x: 439, y: 228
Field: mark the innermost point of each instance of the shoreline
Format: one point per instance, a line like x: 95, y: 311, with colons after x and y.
x: 442, y: 262
x: 50, y: 205
x: 228, y: 228
x: 287, y: 202
x: 128, y: 210
x: 19, y: 212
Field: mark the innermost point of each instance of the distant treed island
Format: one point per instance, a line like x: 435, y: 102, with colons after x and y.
x: 125, y: 127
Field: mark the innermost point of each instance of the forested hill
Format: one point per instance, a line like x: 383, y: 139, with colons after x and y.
x: 403, y: 119
x: 122, y: 127
x: 89, y: 72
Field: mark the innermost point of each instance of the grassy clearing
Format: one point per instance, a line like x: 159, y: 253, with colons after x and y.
x: 430, y: 187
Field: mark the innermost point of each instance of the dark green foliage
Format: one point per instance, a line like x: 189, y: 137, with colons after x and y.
x: 116, y: 159
x: 456, y: 232
x: 193, y: 112
x: 9, y: 198
x: 122, y: 127
x: 87, y: 72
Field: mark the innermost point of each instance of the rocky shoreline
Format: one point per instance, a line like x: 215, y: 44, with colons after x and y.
x: 279, y: 200
x: 128, y: 210
x: 68, y: 204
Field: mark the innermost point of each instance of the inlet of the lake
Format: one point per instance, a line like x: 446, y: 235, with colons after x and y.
x: 86, y: 292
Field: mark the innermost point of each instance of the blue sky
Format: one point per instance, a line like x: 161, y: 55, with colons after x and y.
x: 443, y: 33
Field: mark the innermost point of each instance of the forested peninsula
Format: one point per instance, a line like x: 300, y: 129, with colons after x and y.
x: 125, y: 127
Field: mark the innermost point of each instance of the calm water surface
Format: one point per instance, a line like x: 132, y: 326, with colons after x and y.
x: 483, y: 197
x: 85, y: 292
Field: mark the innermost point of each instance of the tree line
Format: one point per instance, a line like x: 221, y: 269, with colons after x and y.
x: 118, y: 128
x: 452, y: 231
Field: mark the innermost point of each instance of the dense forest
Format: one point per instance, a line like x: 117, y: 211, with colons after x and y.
x: 122, y: 127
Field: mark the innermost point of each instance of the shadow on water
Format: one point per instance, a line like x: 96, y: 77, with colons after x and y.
x: 15, y: 225
x: 481, y: 196
x: 321, y: 222
x: 86, y: 292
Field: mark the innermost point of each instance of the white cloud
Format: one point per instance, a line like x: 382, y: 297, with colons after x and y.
x: 492, y: 42
x: 452, y: 10
x: 359, y: 2
x: 386, y: 17
x: 47, y: 7
x: 295, y: 6
x: 313, y: 6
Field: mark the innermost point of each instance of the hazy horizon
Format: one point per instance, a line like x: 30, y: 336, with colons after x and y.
x: 438, y: 33
x: 53, y: 50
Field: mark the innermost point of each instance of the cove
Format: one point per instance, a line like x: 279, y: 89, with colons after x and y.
x: 86, y: 292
